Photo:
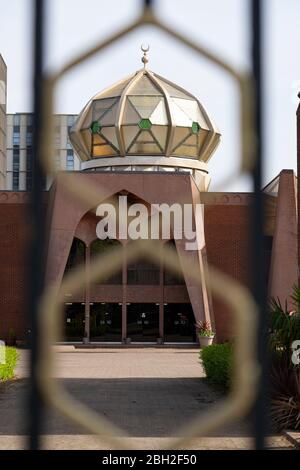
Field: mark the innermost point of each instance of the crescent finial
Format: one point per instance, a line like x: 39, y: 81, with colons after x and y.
x: 145, y: 49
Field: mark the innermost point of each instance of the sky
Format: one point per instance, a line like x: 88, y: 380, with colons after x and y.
x: 220, y: 25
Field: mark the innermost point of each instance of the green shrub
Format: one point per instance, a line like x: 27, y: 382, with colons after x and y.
x: 217, y: 362
x: 7, y: 369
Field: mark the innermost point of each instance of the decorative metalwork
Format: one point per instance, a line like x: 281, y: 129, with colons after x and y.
x: 237, y: 297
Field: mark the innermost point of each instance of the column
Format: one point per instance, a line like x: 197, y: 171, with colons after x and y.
x: 284, y: 264
x: 161, y: 300
x: 124, y: 296
x: 87, y: 295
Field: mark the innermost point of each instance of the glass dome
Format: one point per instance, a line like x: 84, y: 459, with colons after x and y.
x: 144, y: 115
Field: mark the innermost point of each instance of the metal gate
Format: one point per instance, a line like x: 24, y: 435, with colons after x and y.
x: 46, y: 304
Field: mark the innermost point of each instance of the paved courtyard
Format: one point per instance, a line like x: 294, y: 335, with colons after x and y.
x: 149, y: 393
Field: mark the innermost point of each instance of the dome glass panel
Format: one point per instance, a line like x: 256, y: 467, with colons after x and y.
x: 144, y: 114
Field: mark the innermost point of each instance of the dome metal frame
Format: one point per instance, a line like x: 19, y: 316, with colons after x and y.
x: 173, y: 123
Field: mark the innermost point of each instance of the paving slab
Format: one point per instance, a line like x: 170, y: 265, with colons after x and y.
x: 148, y: 393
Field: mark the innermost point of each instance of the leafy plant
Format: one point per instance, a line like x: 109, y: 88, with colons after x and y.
x: 204, y: 329
x: 217, y: 361
x: 11, y: 358
x: 284, y: 375
x: 285, y: 394
x: 284, y: 324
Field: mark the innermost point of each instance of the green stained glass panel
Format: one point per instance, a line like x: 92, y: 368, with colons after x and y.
x: 145, y: 124
x: 95, y: 127
x: 195, y: 127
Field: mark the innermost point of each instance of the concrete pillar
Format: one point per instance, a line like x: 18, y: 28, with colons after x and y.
x: 124, y: 296
x: 161, y: 300
x: 87, y: 295
x: 198, y: 292
x: 284, y: 262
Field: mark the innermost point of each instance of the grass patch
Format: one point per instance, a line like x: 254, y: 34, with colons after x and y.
x: 217, y: 362
x: 7, y: 370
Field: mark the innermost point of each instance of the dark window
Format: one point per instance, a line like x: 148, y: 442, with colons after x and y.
x: 172, y: 278
x: 99, y: 247
x: 28, y: 181
x: 70, y: 160
x: 16, y: 159
x: 29, y: 138
x: 143, y: 272
x: 76, y: 255
x: 15, y: 181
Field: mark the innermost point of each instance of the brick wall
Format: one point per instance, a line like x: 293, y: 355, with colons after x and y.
x: 226, y: 234
x: 14, y: 239
x: 13, y: 247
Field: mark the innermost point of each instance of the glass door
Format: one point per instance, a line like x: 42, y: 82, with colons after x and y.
x: 179, y: 323
x: 106, y: 322
x: 143, y: 322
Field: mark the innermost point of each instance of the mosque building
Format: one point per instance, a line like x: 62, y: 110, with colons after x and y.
x: 149, y: 140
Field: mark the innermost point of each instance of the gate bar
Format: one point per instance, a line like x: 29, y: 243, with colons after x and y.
x: 36, y: 217
x: 257, y: 233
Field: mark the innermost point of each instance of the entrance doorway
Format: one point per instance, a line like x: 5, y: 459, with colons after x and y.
x: 106, y: 322
x: 179, y: 323
x: 143, y: 322
x: 74, y: 321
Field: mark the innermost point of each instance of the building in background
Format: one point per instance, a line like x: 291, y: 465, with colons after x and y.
x: 3, y: 79
x: 19, y: 149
